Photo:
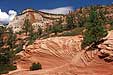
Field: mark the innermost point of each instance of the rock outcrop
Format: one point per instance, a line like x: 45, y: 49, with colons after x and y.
x: 106, y: 48
x: 61, y: 56
x: 49, y: 51
x: 35, y: 17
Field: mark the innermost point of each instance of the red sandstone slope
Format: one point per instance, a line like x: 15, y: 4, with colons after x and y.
x: 50, y: 51
x: 61, y: 56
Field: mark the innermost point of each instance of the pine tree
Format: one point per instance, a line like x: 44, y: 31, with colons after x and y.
x: 27, y: 27
x: 7, y: 53
x: 39, y: 30
x: 95, y: 30
x: 57, y: 27
x: 70, y: 21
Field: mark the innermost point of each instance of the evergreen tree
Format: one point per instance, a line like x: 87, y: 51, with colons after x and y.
x: 70, y: 21
x: 57, y: 27
x: 81, y: 20
x: 39, y: 30
x: 95, y: 30
x: 27, y: 27
x: 7, y: 53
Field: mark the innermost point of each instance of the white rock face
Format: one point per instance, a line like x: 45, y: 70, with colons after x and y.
x: 35, y: 18
x: 17, y: 23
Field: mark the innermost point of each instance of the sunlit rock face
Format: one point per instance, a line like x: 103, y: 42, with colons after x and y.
x: 106, y: 48
x: 51, y: 52
x: 35, y: 17
x: 61, y: 56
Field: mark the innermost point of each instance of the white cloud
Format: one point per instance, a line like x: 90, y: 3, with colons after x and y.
x: 12, y: 14
x: 7, y: 17
x: 61, y: 10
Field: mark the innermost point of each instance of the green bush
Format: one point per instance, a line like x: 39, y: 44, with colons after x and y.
x: 56, y: 28
x: 36, y: 66
x: 68, y: 33
x: 19, y: 48
x: 5, y: 68
x: 75, y: 31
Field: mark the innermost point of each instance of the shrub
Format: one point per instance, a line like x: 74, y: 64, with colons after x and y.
x: 36, y: 66
x: 56, y: 28
x: 39, y: 30
x: 19, y: 48
x: 75, y: 31
x: 5, y: 68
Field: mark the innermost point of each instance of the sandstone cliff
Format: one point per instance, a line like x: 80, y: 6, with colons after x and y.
x: 62, y: 56
x: 35, y: 17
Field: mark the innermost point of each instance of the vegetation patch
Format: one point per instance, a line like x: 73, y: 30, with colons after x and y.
x: 6, y: 68
x: 95, y: 30
x: 73, y: 32
x: 36, y: 66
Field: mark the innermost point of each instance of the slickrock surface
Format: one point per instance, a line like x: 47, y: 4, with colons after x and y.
x: 61, y: 56
x: 50, y: 51
x: 107, y: 47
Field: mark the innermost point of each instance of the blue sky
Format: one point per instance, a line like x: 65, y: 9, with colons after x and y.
x: 19, y: 5
x: 10, y: 8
